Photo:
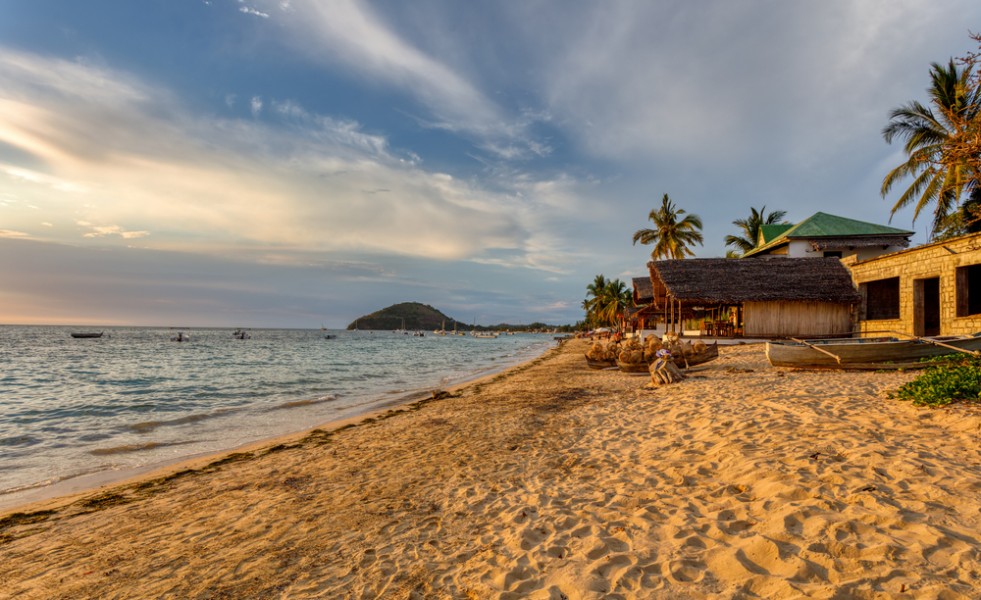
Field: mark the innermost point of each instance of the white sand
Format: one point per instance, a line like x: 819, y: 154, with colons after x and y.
x: 554, y: 481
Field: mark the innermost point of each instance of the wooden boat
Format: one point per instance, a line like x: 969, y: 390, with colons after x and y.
x: 682, y: 362
x: 709, y: 354
x: 600, y: 364
x: 867, y: 353
x: 87, y: 334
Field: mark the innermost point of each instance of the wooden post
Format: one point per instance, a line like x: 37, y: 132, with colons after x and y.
x: 936, y: 343
x: 812, y: 346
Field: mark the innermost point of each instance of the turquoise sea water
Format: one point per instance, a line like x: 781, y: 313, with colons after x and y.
x: 134, y: 398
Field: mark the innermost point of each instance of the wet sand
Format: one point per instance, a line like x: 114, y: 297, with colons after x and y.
x: 551, y: 481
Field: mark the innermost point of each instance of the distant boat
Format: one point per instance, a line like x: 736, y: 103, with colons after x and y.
x: 241, y: 334
x: 402, y: 329
x: 329, y: 336
x: 180, y: 337
x: 86, y: 334
x: 485, y: 335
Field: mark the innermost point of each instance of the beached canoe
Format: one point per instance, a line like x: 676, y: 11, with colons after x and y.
x: 864, y: 353
x: 600, y: 364
x: 710, y: 353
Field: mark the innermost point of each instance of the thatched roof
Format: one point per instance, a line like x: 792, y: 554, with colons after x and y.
x: 732, y: 281
x: 643, y: 290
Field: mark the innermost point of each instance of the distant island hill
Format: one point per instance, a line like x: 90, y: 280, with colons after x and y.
x: 422, y: 317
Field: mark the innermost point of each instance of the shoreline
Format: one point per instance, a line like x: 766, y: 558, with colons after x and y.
x: 68, y: 490
x: 550, y: 480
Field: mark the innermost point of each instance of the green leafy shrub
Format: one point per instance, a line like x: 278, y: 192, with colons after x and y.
x: 952, y: 379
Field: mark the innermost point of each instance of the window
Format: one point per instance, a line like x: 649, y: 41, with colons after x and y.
x: 968, y: 290
x: 882, y: 298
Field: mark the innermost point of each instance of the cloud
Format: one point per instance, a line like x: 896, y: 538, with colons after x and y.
x: 254, y: 12
x: 99, y: 231
x: 350, y: 34
x: 295, y: 183
x: 730, y: 83
x: 255, y: 105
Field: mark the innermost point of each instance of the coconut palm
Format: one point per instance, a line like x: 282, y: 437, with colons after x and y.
x: 614, y: 300
x: 941, y: 145
x: 751, y: 229
x: 672, y: 234
x: 594, y: 293
x: 605, y: 300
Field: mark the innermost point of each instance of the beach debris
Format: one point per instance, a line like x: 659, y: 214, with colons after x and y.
x: 663, y: 370
x: 441, y: 394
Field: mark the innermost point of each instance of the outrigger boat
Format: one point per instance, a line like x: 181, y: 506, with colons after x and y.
x: 710, y: 353
x: 868, y: 353
x: 87, y: 335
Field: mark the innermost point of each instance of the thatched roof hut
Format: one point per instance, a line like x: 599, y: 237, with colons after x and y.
x: 643, y: 291
x: 776, y: 297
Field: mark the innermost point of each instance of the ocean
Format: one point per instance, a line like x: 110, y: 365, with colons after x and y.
x: 76, y: 409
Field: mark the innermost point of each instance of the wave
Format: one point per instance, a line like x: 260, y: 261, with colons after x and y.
x: 127, y: 448
x: 302, y: 403
x: 148, y: 426
x: 20, y: 440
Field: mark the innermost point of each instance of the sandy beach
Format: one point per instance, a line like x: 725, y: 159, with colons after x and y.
x: 551, y: 481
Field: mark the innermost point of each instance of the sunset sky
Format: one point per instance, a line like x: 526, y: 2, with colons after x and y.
x: 291, y: 163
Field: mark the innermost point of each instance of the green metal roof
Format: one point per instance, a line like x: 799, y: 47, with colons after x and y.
x: 768, y: 233
x: 821, y: 225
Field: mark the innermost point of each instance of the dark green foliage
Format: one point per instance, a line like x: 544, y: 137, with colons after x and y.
x: 422, y: 317
x: 952, y: 379
x: 411, y: 315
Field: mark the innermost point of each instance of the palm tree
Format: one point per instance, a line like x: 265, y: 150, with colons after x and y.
x: 751, y: 229
x: 594, y: 293
x: 671, y: 237
x: 614, y: 299
x: 605, y: 301
x: 941, y: 147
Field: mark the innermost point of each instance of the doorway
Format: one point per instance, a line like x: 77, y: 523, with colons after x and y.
x: 926, y: 306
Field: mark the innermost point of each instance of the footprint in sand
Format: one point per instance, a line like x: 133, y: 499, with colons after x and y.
x: 686, y: 570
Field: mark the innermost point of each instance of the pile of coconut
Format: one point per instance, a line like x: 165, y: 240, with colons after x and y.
x: 633, y: 352
x: 603, y: 351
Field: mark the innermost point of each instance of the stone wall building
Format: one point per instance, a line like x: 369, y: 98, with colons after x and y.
x: 933, y: 289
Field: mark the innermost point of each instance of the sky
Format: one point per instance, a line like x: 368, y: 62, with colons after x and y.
x: 291, y: 163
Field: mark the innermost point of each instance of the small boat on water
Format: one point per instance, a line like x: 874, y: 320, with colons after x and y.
x: 181, y: 337
x: 330, y: 336
x: 867, y: 353
x: 241, y: 334
x: 86, y: 334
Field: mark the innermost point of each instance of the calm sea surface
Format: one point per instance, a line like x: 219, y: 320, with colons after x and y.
x: 133, y: 398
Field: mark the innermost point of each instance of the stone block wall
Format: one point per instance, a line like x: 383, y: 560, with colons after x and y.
x: 939, y: 259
